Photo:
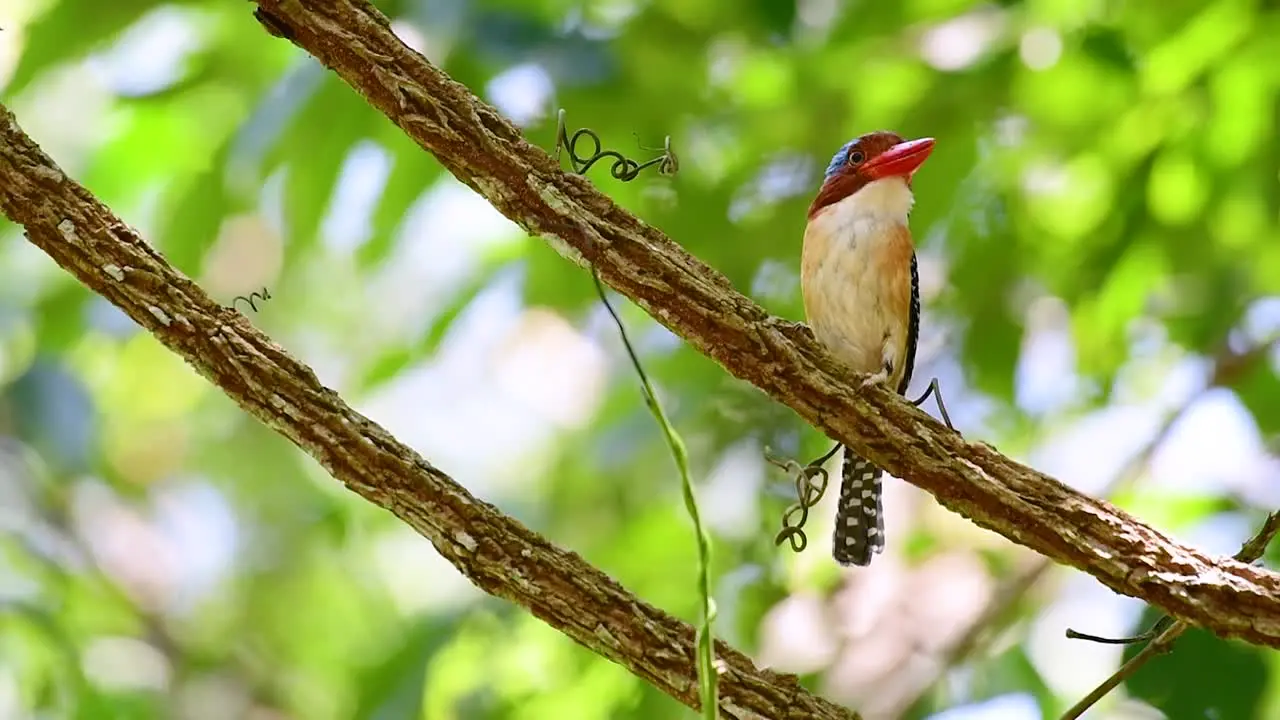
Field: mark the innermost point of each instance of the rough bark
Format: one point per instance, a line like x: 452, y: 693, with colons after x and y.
x: 487, y: 153
x: 494, y: 551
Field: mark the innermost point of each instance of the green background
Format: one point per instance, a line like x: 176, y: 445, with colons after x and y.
x: 1099, y: 235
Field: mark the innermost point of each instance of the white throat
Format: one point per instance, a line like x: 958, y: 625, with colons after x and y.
x: 874, y: 208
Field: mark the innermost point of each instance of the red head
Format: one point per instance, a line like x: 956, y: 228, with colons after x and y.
x: 868, y: 158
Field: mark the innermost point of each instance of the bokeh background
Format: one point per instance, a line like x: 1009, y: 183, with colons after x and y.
x: 1099, y: 240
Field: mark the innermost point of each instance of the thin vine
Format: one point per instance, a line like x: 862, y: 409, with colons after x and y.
x: 625, y: 169
x: 252, y: 299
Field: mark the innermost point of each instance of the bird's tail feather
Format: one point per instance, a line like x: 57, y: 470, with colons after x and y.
x: 859, y: 533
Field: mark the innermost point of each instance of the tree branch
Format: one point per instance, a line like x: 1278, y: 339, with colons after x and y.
x: 1161, y: 641
x: 487, y: 153
x: 495, y: 552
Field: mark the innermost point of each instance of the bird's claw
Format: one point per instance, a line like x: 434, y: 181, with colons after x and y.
x: 879, y: 378
x: 935, y: 390
x: 797, y: 330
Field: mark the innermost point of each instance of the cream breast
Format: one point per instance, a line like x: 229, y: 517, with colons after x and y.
x: 855, y: 276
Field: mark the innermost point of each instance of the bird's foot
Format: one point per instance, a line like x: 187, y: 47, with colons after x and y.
x: 935, y: 390
x: 796, y: 330
x: 879, y: 378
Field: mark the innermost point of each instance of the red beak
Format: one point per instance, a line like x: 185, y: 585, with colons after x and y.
x: 901, y: 160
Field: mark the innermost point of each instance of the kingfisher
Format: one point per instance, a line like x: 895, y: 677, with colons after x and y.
x: 861, y: 294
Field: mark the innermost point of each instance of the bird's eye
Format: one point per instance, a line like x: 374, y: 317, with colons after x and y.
x: 856, y: 157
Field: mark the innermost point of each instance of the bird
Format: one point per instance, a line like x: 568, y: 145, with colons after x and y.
x: 861, y: 293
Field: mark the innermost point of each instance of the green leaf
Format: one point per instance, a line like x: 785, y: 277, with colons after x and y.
x: 1009, y: 672
x: 60, y: 317
x: 987, y: 261
x: 314, y: 148
x: 1258, y: 390
x: 56, y: 415
x: 1203, y: 677
x: 392, y: 362
x: 552, y: 281
x: 122, y: 705
x: 192, y: 214
x: 1108, y: 46
x: 413, y: 171
x: 71, y: 29
x: 776, y: 16
x: 392, y: 689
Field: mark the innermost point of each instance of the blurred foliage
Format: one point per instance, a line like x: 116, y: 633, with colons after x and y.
x: 1100, y: 220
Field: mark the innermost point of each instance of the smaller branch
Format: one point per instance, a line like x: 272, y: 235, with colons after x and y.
x: 1160, y: 645
x: 1130, y: 640
x: 1168, y: 629
x: 1000, y: 610
x: 1228, y: 366
x: 1253, y: 550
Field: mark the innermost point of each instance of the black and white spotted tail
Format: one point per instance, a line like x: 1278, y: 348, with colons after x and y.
x: 859, y: 519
